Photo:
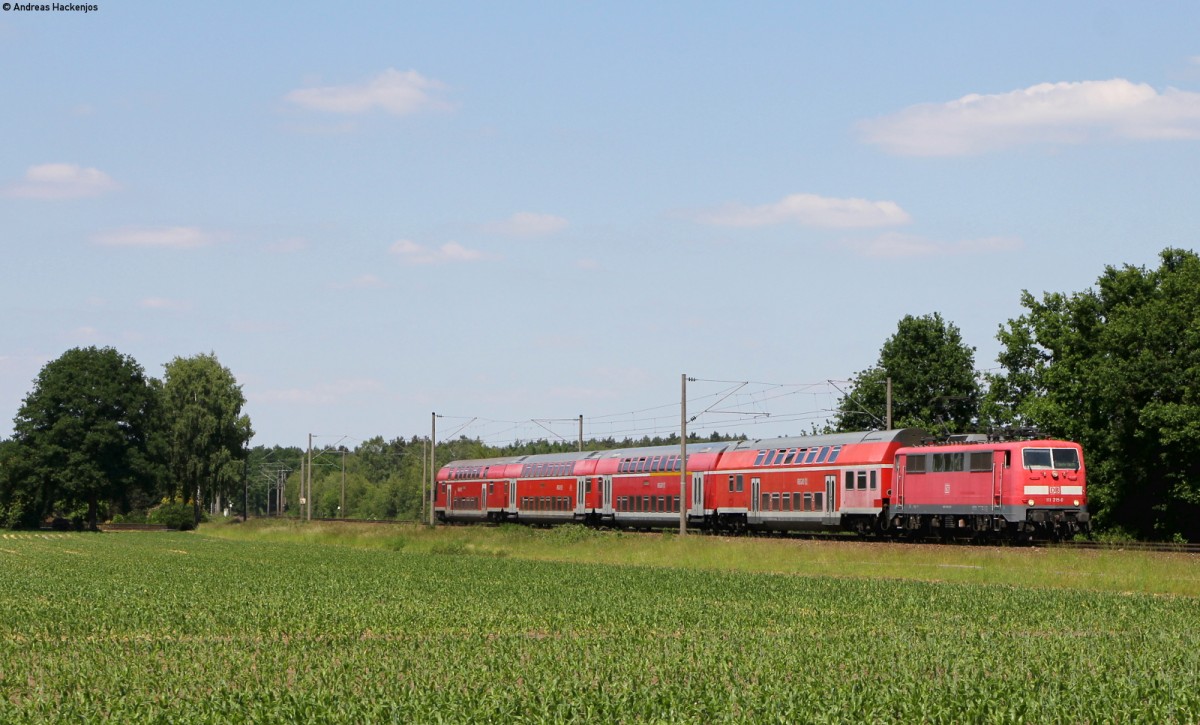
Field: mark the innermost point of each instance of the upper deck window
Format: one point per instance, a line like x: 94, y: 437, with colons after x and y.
x: 1059, y: 459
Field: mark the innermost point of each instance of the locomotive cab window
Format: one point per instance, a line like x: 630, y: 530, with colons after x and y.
x: 1036, y: 459
x: 1065, y: 459
x: 1059, y: 459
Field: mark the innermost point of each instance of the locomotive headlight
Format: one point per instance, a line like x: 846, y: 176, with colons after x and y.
x: 1076, y: 502
x: 1030, y: 502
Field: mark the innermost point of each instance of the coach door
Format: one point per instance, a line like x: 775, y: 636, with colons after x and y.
x: 698, y: 494
x: 483, y: 497
x: 755, y: 484
x: 512, y: 494
x: 580, y: 492
x: 606, y: 494
x: 830, y: 508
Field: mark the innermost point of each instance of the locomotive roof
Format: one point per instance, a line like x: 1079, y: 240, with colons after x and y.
x: 903, y: 436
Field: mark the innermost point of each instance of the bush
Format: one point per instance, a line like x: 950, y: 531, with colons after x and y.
x: 174, y: 514
x: 16, y: 515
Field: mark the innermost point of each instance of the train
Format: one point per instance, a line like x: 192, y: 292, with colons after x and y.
x: 894, y: 483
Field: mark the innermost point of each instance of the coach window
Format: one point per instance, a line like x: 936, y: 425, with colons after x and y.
x: 833, y: 454
x: 812, y: 454
x: 731, y: 484
x: 740, y: 483
x: 824, y: 453
x: 796, y: 501
x: 818, y: 501
x: 849, y: 480
x: 874, y: 485
x: 808, y: 502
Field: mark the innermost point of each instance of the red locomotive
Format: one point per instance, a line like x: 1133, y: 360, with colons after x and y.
x: 885, y: 482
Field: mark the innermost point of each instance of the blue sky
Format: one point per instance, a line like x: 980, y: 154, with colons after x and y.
x: 520, y: 212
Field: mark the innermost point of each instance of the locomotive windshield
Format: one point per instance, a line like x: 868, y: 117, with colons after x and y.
x: 1058, y: 459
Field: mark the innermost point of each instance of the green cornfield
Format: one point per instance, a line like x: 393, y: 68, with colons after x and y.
x: 191, y: 628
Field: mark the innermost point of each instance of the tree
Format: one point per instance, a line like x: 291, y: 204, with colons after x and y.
x: 206, y: 433
x: 1116, y: 369
x: 81, y: 436
x: 933, y: 381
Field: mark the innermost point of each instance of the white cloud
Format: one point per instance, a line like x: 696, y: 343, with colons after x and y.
x: 412, y: 253
x: 810, y: 210
x: 164, y: 303
x: 399, y: 93
x: 1044, y: 113
x: 893, y: 245
x: 162, y: 237
x: 61, y: 181
x: 528, y: 224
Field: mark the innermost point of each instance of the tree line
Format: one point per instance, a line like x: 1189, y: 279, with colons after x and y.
x: 1114, y: 367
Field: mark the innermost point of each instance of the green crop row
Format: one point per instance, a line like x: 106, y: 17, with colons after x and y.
x: 178, y: 627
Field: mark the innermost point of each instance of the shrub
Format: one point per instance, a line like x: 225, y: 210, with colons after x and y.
x: 175, y: 514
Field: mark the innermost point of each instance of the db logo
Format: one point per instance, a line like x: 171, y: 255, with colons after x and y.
x: 1056, y: 490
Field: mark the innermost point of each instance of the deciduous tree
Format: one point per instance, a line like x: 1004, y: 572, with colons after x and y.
x: 933, y: 381
x: 81, y: 436
x: 206, y: 432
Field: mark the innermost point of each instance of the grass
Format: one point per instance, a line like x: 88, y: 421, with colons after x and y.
x: 275, y: 622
